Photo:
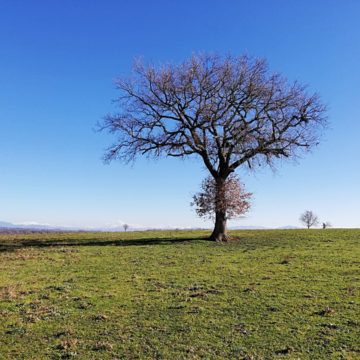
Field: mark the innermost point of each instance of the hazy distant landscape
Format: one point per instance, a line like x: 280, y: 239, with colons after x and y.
x: 7, y: 226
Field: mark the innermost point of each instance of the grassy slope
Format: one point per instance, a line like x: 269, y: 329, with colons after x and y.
x: 274, y: 294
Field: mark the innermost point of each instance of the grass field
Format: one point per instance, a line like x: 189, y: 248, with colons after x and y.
x: 291, y: 294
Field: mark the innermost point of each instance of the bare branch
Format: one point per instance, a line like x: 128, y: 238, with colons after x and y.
x: 229, y: 111
x: 309, y: 219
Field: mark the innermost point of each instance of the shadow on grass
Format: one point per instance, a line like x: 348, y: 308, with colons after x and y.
x: 41, y: 243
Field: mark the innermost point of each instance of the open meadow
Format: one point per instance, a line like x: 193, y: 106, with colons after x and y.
x: 291, y: 294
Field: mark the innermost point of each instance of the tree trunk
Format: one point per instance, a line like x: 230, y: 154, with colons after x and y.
x: 219, y: 232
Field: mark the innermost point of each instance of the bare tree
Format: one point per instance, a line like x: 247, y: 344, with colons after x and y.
x: 230, y: 112
x: 326, y: 225
x: 125, y: 226
x: 309, y: 219
x: 231, y: 198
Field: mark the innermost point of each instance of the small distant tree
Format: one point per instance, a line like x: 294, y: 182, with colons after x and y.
x: 326, y: 225
x: 125, y: 226
x: 309, y: 219
x: 229, y: 197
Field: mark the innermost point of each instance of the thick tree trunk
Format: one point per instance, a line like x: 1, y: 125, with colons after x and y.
x: 219, y: 232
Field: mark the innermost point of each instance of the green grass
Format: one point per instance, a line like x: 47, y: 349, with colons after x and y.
x: 291, y: 294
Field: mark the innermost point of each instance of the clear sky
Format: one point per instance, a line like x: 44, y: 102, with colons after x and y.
x: 58, y: 61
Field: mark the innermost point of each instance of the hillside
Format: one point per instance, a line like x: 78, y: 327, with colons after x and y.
x: 161, y: 295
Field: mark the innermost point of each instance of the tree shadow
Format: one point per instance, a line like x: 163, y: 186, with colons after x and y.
x: 7, y: 246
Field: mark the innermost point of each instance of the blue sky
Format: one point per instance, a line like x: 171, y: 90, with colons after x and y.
x: 58, y: 60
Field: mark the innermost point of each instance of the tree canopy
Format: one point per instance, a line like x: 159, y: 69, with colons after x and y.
x: 230, y: 198
x: 229, y: 111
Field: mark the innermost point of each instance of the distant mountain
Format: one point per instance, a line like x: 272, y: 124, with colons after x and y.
x: 7, y: 225
x: 289, y: 227
x: 248, y: 227
x: 262, y: 227
x: 4, y: 225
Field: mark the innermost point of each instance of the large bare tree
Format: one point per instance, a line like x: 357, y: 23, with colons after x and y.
x: 228, y: 111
